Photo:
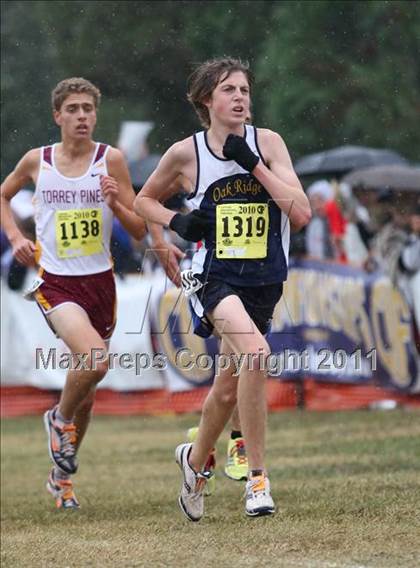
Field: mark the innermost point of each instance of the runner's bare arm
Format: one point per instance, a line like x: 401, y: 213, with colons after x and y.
x: 119, y: 194
x: 24, y: 173
x: 168, y: 254
x: 280, y: 179
x: 162, y: 184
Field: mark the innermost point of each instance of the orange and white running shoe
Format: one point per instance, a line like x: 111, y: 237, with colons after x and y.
x: 258, y: 500
x: 62, y: 491
x: 61, y: 442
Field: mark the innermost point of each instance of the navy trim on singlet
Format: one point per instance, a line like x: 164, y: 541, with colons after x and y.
x: 215, y: 155
x: 211, y: 151
x: 197, y: 179
x: 257, y: 146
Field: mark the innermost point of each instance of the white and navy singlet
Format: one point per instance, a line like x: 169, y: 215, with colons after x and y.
x: 249, y: 241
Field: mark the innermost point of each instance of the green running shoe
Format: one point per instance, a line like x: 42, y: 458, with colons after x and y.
x: 237, y: 462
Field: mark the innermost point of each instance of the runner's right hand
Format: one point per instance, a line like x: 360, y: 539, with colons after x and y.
x: 192, y: 227
x: 169, y: 256
x: 24, y: 250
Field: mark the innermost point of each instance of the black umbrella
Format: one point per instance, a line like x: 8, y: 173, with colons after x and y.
x: 383, y: 177
x: 344, y: 159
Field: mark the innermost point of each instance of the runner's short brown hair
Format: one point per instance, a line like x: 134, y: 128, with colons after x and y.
x: 73, y: 85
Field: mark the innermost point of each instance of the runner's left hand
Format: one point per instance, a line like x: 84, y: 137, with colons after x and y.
x: 110, y: 191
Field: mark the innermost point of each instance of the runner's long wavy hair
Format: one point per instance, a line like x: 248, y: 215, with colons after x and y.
x: 204, y: 79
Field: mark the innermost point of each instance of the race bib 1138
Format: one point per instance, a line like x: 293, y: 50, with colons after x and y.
x: 78, y: 232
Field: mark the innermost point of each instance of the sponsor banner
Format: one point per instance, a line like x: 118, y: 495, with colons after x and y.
x: 334, y: 323
x: 344, y: 325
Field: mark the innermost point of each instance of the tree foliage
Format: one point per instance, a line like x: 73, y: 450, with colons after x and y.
x: 350, y: 75
x: 27, y: 72
x: 328, y: 72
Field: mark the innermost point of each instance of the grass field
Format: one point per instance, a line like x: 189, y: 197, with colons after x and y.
x: 347, y: 487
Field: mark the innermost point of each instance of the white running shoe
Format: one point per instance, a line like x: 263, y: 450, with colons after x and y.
x: 210, y: 464
x: 258, y: 499
x: 191, y: 498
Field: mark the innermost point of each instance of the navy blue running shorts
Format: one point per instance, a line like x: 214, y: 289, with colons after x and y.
x: 259, y: 302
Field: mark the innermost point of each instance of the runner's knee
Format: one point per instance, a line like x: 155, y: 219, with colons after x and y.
x: 226, y: 395
x: 98, y: 368
x: 101, y: 369
x: 256, y: 355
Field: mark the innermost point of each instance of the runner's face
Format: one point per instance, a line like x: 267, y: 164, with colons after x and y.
x: 230, y: 101
x: 77, y: 116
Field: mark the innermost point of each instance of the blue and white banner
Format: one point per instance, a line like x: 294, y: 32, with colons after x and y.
x: 334, y: 323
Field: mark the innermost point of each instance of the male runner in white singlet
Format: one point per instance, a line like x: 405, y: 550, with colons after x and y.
x: 79, y: 186
x: 244, y: 195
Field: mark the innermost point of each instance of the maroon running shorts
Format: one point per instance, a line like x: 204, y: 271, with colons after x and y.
x: 95, y: 293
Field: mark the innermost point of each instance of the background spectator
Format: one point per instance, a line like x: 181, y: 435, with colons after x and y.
x: 317, y: 235
x: 23, y: 212
x: 409, y: 265
x: 390, y: 242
